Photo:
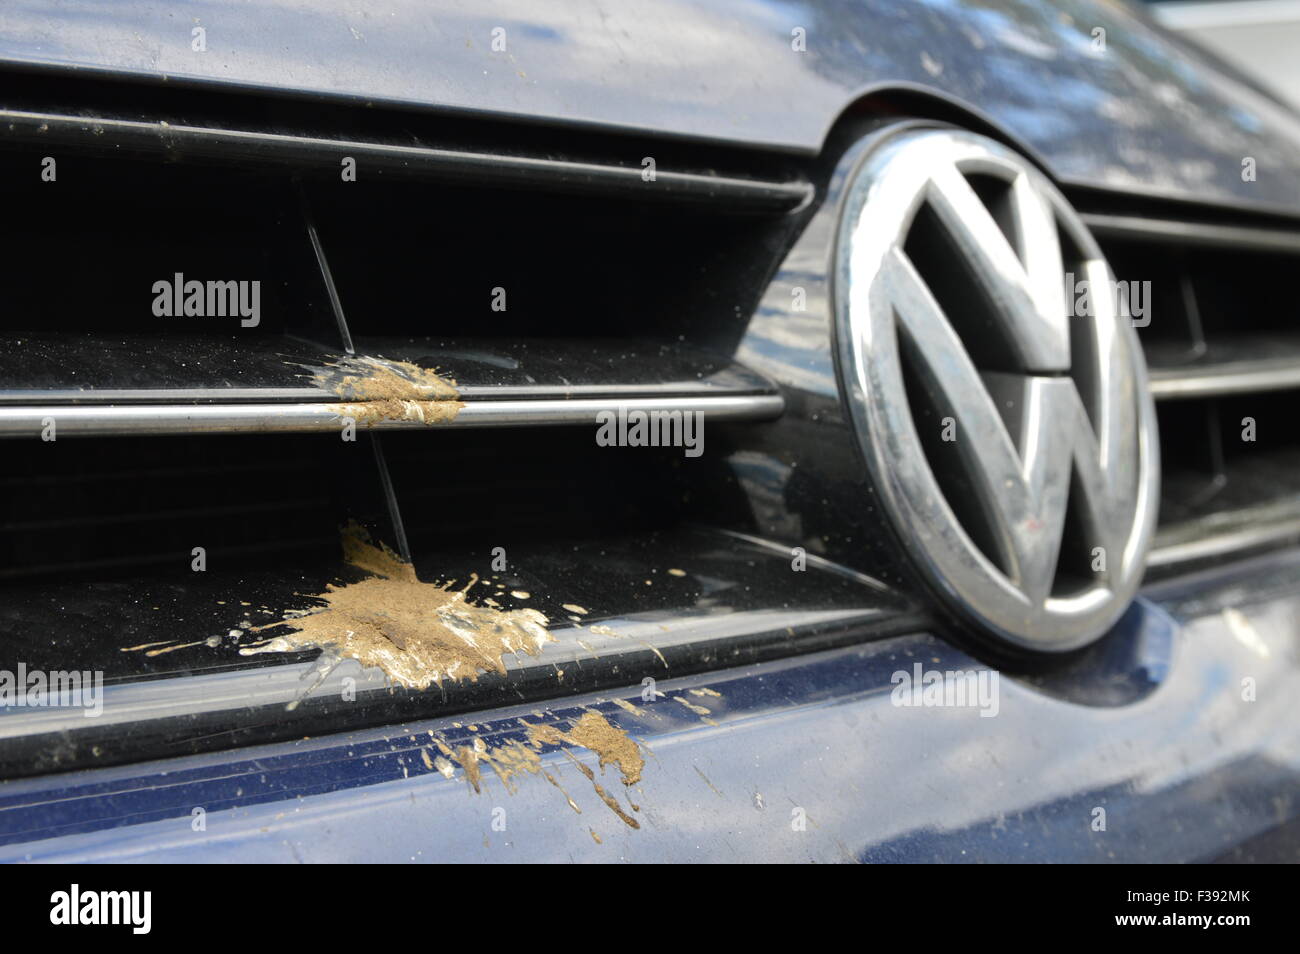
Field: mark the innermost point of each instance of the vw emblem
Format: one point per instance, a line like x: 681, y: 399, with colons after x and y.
x: 1010, y: 434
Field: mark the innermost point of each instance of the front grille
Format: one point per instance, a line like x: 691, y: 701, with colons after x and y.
x: 134, y: 440
x: 137, y: 443
x: 1223, y: 350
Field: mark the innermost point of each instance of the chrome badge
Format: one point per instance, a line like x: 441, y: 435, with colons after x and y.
x: 1006, y: 421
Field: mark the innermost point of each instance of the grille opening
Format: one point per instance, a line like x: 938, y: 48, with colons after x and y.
x: 94, y: 242
x: 1243, y: 292
x: 1187, y: 441
x: 426, y: 259
x: 410, y: 258
x: 1168, y: 330
x: 415, y: 263
x: 121, y: 508
x: 94, y: 509
x: 1221, y: 346
x: 98, y: 538
x: 97, y: 534
x: 468, y: 492
x: 1209, y: 467
x: 1209, y: 305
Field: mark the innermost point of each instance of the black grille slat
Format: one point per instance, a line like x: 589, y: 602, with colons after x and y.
x: 1223, y: 352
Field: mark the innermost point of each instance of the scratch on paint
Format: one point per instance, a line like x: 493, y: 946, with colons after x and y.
x: 707, y: 782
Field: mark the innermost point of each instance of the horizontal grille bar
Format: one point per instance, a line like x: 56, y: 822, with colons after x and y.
x: 74, y: 420
x: 1177, y: 232
x: 243, y: 145
x: 1232, y: 364
x: 1238, y: 377
x: 1226, y: 532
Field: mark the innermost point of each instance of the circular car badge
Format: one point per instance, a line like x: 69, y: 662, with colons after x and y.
x: 997, y: 388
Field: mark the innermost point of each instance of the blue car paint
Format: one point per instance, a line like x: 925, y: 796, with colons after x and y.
x: 1185, y: 767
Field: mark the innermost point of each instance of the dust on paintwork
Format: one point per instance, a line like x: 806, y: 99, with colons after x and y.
x: 376, y: 389
x: 418, y: 633
x: 707, y: 781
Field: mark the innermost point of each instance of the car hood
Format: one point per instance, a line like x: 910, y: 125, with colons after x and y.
x: 1102, y: 95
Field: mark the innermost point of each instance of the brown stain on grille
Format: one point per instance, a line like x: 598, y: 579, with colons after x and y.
x: 418, y: 633
x: 376, y: 389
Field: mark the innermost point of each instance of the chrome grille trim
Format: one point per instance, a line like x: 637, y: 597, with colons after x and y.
x: 1224, y: 534
x: 72, y: 420
x: 1237, y: 377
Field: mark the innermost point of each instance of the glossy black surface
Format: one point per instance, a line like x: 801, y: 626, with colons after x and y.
x: 1141, y: 115
x: 407, y: 158
x: 383, y: 259
x: 55, y: 368
x: 803, y: 475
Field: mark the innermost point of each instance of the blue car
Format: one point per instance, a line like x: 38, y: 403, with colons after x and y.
x: 690, y: 431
